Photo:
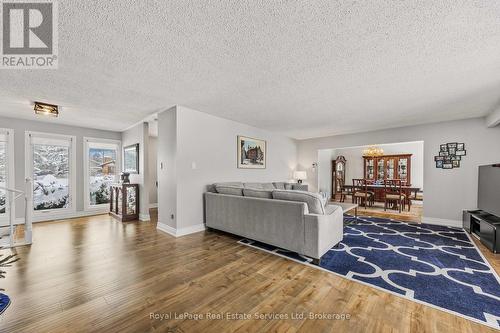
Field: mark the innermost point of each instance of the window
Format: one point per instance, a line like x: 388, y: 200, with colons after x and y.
x: 50, y: 176
x: 51, y: 162
x: 6, y: 169
x: 102, y: 168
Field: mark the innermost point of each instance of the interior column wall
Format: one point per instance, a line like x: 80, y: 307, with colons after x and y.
x: 199, y: 149
x: 139, y: 134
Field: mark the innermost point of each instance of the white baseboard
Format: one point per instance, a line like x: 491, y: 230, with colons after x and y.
x: 71, y: 215
x: 182, y: 231
x: 166, y: 228
x: 153, y: 205
x: 144, y: 217
x: 445, y: 222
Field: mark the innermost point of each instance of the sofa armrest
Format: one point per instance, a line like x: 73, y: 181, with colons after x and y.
x: 322, y: 232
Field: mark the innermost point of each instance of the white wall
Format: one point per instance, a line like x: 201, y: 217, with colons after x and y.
x: 21, y: 126
x: 206, y: 152
x: 355, y: 163
x: 152, y: 164
x: 140, y: 134
x: 447, y: 192
x: 324, y: 170
x: 167, y: 168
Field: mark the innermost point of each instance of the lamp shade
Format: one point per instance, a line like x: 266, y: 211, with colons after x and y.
x: 300, y: 175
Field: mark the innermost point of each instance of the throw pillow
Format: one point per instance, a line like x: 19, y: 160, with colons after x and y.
x: 231, y: 190
x: 260, y: 186
x: 279, y: 185
x: 249, y: 192
x: 313, y: 200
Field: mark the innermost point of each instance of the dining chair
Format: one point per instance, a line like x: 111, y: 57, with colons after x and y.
x: 361, y: 193
x: 393, y: 193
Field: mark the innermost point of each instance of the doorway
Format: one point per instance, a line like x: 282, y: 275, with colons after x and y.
x: 378, y: 165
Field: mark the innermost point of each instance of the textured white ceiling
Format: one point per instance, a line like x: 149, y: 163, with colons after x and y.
x: 302, y: 68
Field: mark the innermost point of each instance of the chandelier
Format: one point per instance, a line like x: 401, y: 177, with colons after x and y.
x: 373, y: 151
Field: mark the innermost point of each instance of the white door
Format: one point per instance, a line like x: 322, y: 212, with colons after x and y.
x: 6, y: 171
x: 51, y: 165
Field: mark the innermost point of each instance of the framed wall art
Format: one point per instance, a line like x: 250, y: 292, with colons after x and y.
x: 252, y: 153
x: 450, y: 155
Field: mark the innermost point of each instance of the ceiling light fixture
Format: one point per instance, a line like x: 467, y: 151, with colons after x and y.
x: 373, y: 151
x: 46, y: 109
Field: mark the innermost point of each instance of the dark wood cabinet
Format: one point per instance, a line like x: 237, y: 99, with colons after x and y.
x: 124, y: 202
x: 386, y: 167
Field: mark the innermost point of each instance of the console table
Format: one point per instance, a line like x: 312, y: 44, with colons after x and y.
x: 484, y: 226
x: 124, y: 201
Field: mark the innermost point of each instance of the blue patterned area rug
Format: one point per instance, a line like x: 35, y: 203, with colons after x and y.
x: 4, y: 302
x: 435, y: 265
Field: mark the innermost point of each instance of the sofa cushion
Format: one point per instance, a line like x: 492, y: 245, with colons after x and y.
x: 313, y: 200
x: 250, y: 192
x: 260, y: 186
x: 231, y: 190
x: 279, y: 185
x: 288, y: 186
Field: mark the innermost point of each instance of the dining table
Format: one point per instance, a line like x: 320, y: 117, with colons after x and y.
x: 378, y: 187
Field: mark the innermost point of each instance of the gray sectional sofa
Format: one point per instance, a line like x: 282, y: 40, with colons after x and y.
x: 275, y: 214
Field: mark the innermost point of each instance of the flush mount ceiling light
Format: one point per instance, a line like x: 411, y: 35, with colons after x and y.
x: 45, y: 109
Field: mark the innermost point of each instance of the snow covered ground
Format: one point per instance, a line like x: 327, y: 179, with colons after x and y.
x: 50, y: 192
x: 99, y: 189
x: 3, y: 199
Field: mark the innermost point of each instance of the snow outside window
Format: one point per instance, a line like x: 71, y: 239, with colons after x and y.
x: 6, y: 171
x: 50, y: 177
x: 102, y: 166
x: 51, y: 163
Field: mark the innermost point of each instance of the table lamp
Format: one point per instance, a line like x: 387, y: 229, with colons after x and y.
x: 300, y: 176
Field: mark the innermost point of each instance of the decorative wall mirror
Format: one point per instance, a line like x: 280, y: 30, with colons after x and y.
x: 338, y: 175
x: 131, y: 158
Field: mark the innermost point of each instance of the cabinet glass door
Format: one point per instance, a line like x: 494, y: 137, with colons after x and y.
x: 391, y: 168
x: 403, y: 170
x: 370, y: 169
x: 131, y: 200
x: 380, y: 169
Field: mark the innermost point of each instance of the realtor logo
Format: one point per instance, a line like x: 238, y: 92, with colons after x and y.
x: 29, y: 35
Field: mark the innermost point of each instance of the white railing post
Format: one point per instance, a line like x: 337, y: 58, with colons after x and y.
x: 12, y: 218
x: 28, y: 212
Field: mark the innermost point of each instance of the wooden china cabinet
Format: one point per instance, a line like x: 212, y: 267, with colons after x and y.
x: 387, y: 167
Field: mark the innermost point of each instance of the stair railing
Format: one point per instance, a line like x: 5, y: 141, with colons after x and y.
x: 13, y: 195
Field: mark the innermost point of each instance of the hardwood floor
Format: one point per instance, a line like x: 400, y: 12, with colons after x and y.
x: 95, y: 274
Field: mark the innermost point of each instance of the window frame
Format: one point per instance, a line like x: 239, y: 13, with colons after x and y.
x: 11, y: 180
x: 87, y: 142
x: 52, y: 214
